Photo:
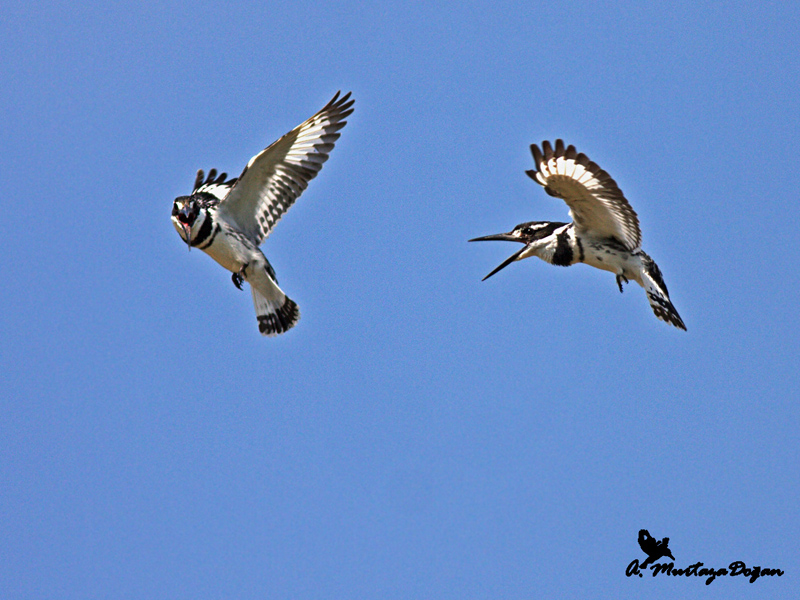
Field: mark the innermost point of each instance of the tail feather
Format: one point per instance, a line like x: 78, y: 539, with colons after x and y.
x: 664, y: 310
x: 275, y: 316
x: 657, y: 293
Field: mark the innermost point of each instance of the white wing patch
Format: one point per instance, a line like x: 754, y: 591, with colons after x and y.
x: 216, y: 186
x: 275, y: 177
x: 596, y: 203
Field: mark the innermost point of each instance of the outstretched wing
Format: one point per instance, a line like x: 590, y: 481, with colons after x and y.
x: 596, y: 203
x: 275, y: 178
x: 213, y: 188
x: 646, y: 542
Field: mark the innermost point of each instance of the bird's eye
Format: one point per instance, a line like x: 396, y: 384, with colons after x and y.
x: 174, y: 209
x: 528, y: 231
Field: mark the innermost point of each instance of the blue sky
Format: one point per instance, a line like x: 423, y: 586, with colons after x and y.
x: 420, y: 433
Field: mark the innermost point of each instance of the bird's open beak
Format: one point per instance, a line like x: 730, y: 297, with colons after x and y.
x: 503, y: 237
x: 187, y: 230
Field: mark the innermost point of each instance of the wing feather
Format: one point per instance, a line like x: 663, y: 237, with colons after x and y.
x: 214, y: 185
x: 596, y: 203
x: 275, y: 177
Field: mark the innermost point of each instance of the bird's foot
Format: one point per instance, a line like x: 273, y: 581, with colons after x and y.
x: 238, y: 278
x: 620, y: 279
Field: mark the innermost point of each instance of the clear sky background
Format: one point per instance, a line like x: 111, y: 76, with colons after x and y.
x: 420, y: 433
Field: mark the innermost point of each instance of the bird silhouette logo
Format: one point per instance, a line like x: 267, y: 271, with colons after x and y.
x: 653, y: 548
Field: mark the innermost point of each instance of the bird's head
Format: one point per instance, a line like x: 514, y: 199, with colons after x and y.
x: 188, y: 215
x: 526, y: 233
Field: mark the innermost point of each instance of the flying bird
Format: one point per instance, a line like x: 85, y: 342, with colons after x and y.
x: 605, y: 229
x: 229, y: 219
x: 654, y: 549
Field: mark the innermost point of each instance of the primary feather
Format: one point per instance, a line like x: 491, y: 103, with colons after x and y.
x: 595, y: 201
x: 275, y: 177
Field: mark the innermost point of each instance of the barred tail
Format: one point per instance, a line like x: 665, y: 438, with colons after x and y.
x: 658, y: 295
x: 664, y: 310
x: 275, y: 316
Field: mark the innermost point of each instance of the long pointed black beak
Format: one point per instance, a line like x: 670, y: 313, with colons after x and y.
x: 506, y: 262
x: 502, y: 237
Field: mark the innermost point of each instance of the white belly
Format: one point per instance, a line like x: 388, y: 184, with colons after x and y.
x: 617, y: 261
x: 229, y: 256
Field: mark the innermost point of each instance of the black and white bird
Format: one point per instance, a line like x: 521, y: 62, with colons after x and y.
x: 228, y: 220
x: 605, y: 229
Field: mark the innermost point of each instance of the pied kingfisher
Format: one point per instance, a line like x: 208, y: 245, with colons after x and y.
x: 605, y: 229
x: 228, y: 220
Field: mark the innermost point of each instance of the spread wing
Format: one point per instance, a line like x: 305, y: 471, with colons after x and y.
x: 213, y: 188
x: 596, y: 203
x: 646, y: 542
x: 275, y: 178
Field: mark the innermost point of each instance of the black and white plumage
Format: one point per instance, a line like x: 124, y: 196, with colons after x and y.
x: 605, y: 229
x: 229, y: 219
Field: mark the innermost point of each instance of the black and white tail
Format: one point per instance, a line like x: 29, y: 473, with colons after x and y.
x: 657, y: 293
x: 275, y: 316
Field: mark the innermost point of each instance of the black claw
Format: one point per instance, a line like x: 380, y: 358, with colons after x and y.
x: 237, y: 279
x: 620, y: 279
